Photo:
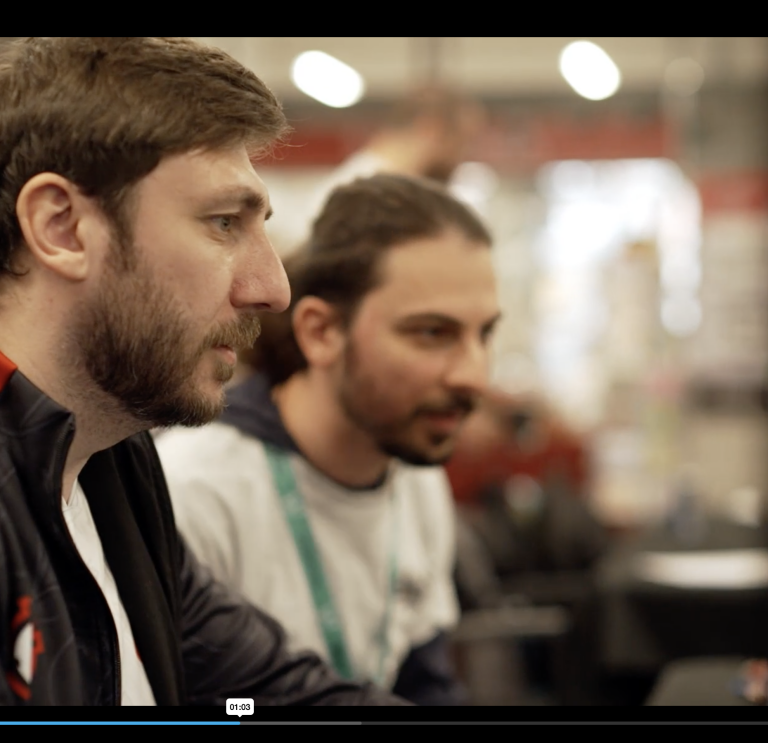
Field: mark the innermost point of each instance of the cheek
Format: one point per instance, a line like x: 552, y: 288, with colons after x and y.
x: 401, y: 375
x: 203, y: 297
x: 199, y: 285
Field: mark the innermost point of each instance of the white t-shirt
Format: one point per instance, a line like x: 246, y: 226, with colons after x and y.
x: 134, y: 684
x: 228, y: 509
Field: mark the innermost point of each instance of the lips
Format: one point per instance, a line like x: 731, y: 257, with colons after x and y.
x: 228, y: 353
x: 445, y: 420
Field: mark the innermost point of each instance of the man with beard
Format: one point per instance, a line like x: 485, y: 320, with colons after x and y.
x: 317, y: 494
x: 133, y: 263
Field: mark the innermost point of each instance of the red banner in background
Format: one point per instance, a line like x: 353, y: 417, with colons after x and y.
x: 319, y: 146
x: 734, y: 191
x: 528, y: 144
x: 511, y: 145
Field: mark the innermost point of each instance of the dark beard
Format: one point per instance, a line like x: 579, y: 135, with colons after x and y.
x: 410, y: 455
x: 135, y: 347
x: 355, y: 397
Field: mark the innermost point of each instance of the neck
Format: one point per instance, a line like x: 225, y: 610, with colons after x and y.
x: 99, y: 423
x: 325, y: 435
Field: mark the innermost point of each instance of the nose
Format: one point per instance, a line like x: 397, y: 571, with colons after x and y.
x: 261, y: 283
x: 469, y: 370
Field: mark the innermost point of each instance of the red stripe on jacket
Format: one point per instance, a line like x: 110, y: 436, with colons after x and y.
x: 7, y: 368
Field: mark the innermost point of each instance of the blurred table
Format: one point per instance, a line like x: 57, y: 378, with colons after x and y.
x: 699, y: 682
x: 659, y: 599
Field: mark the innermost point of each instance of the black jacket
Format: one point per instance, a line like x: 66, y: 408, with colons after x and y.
x: 426, y: 676
x: 199, y: 643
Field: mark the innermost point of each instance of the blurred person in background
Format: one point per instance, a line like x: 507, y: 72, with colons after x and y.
x: 133, y: 261
x: 518, y: 434
x: 428, y: 134
x: 318, y: 494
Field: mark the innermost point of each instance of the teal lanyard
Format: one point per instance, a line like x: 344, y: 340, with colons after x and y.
x: 327, y: 615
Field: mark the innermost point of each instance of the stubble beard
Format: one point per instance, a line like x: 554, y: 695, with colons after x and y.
x: 358, y: 397
x: 135, y: 346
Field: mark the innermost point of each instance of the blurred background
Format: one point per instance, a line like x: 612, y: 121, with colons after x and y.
x: 625, y: 181
x: 630, y: 226
x: 612, y: 491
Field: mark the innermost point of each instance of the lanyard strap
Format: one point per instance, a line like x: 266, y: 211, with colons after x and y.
x: 327, y: 615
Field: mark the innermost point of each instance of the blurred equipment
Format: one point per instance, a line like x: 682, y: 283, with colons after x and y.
x: 520, y: 477
x: 707, y: 682
x: 668, y: 594
x: 496, y: 628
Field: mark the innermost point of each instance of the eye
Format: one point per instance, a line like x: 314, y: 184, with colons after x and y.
x: 225, y: 222
x: 433, y: 334
x: 486, y: 333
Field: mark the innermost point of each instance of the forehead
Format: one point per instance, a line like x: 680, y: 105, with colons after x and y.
x: 447, y: 274
x: 194, y: 178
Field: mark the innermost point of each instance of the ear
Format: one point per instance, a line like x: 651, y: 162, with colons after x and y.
x: 318, y: 330
x: 57, y: 222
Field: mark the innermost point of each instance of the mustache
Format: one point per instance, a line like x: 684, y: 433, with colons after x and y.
x: 458, y: 404
x: 239, y: 335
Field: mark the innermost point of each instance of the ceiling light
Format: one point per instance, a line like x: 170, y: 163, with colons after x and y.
x: 589, y: 70
x: 327, y: 79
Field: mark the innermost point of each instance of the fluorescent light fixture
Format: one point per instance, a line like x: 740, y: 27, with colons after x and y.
x: 327, y: 79
x: 589, y: 70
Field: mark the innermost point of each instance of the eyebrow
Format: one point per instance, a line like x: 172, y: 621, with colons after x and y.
x: 243, y: 199
x: 437, y: 317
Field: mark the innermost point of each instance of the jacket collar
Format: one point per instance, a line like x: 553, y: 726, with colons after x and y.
x: 37, y: 433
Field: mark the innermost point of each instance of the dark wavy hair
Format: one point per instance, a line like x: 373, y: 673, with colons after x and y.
x: 340, y: 262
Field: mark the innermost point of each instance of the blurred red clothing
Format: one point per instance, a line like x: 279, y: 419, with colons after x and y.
x: 491, y: 452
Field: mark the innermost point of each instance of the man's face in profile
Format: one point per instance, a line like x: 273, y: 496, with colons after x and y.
x: 161, y: 335
x: 417, y: 351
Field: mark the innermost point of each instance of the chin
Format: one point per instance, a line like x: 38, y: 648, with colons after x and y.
x: 209, y: 383
x: 200, y: 405
x: 420, y: 456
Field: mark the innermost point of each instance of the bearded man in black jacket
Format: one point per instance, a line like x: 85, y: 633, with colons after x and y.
x: 133, y: 261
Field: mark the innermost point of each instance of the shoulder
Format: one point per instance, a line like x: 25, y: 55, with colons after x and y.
x: 209, y: 441
x: 215, y: 448
x: 215, y: 472
x: 427, y: 487
x: 215, y: 466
